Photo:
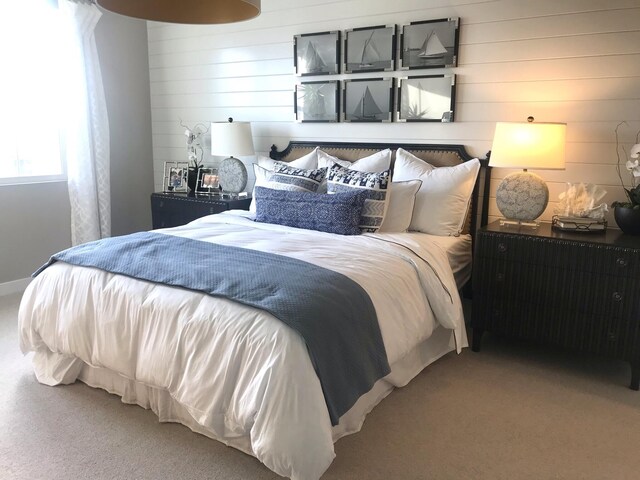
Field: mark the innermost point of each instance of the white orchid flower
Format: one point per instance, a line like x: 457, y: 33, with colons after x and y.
x: 635, y: 151
x: 633, y: 167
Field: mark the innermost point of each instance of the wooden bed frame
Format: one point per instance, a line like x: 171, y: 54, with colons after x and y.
x: 437, y: 155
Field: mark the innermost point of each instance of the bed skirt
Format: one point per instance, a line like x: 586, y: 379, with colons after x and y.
x: 168, y: 409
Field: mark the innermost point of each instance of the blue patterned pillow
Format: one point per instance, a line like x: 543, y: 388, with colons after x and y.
x: 373, y: 185
x: 310, y: 180
x: 338, y: 213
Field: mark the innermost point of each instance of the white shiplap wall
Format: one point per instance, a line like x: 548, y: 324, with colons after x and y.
x: 573, y: 61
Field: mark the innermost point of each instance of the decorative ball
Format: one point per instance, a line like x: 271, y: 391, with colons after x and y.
x: 522, y: 196
x: 232, y: 175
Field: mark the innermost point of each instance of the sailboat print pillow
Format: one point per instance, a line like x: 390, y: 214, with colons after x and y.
x: 340, y: 180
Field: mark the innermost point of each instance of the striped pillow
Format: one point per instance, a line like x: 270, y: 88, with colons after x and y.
x: 340, y: 180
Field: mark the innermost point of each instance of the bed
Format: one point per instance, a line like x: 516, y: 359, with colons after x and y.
x: 233, y: 372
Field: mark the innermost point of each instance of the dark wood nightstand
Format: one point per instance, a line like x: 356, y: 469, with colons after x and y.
x: 173, y: 209
x: 574, y: 290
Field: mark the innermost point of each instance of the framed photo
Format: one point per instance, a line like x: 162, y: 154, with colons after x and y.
x: 428, y: 98
x: 370, y: 49
x: 429, y: 44
x: 208, y: 181
x: 367, y: 100
x: 317, y: 101
x: 317, y: 53
x: 175, y: 177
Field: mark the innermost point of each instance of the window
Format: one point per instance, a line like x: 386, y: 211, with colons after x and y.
x: 31, y: 92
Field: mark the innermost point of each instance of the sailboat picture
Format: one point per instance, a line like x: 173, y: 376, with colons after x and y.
x: 430, y: 44
x: 316, y: 101
x: 317, y: 53
x: 370, y: 49
x: 432, y: 47
x: 426, y: 98
x: 368, y: 100
x: 312, y: 60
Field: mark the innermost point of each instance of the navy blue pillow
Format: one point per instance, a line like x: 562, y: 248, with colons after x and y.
x: 337, y: 213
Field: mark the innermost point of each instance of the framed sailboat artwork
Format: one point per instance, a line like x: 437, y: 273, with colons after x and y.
x: 426, y: 98
x: 370, y: 49
x: 317, y: 101
x: 317, y: 53
x: 430, y: 44
x: 367, y: 100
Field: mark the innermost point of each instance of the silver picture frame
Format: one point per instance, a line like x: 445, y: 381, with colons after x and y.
x: 426, y: 98
x: 317, y: 101
x: 367, y: 100
x: 208, y: 181
x: 316, y: 53
x: 369, y: 49
x: 176, y: 175
x: 430, y: 44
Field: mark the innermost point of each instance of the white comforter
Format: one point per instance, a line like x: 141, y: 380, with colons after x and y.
x: 237, y: 370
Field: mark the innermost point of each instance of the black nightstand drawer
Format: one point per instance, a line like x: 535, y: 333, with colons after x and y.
x: 556, y: 287
x: 173, y: 209
x: 601, y: 259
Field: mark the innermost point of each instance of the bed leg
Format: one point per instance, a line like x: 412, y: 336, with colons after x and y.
x: 477, y: 337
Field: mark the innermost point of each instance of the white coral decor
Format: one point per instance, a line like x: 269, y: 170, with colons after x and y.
x: 581, y: 200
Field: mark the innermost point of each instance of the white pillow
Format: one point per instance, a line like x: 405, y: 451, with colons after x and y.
x: 308, y: 161
x: 402, y: 199
x: 263, y: 177
x: 443, y: 199
x: 378, y: 162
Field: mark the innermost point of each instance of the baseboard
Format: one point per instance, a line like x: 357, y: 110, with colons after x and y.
x: 16, y: 286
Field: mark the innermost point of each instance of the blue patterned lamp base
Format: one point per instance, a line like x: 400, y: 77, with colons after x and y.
x: 522, y: 198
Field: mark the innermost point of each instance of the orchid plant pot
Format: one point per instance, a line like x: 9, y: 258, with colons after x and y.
x: 628, y: 219
x: 192, y: 179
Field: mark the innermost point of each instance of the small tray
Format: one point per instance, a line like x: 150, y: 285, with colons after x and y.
x: 577, y: 224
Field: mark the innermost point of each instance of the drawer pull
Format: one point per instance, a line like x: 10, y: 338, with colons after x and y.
x: 502, y: 247
x: 500, y: 277
x: 622, y: 262
x: 612, y: 336
x: 617, y: 297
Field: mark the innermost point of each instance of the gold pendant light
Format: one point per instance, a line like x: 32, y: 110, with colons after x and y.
x: 185, y: 11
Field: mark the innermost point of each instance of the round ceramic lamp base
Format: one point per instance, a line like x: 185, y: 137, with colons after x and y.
x: 522, y: 197
x: 232, y: 175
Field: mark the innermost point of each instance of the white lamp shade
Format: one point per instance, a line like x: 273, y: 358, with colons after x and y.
x: 231, y: 138
x: 186, y: 11
x: 529, y: 145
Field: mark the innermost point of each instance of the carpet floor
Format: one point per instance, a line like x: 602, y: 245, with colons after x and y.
x: 513, y: 411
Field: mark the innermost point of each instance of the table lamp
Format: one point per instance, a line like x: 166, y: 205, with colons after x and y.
x: 523, y: 196
x: 228, y: 139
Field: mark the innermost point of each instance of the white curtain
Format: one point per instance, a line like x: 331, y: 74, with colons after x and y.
x: 85, y: 128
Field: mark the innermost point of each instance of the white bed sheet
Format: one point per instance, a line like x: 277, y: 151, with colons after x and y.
x: 459, y: 253
x: 243, y: 376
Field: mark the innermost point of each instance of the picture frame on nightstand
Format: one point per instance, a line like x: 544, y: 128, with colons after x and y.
x: 208, y: 181
x: 175, y: 177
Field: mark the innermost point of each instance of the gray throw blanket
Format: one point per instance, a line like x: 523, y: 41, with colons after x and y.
x: 332, y: 313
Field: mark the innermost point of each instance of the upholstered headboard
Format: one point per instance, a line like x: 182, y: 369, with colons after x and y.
x: 437, y: 155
